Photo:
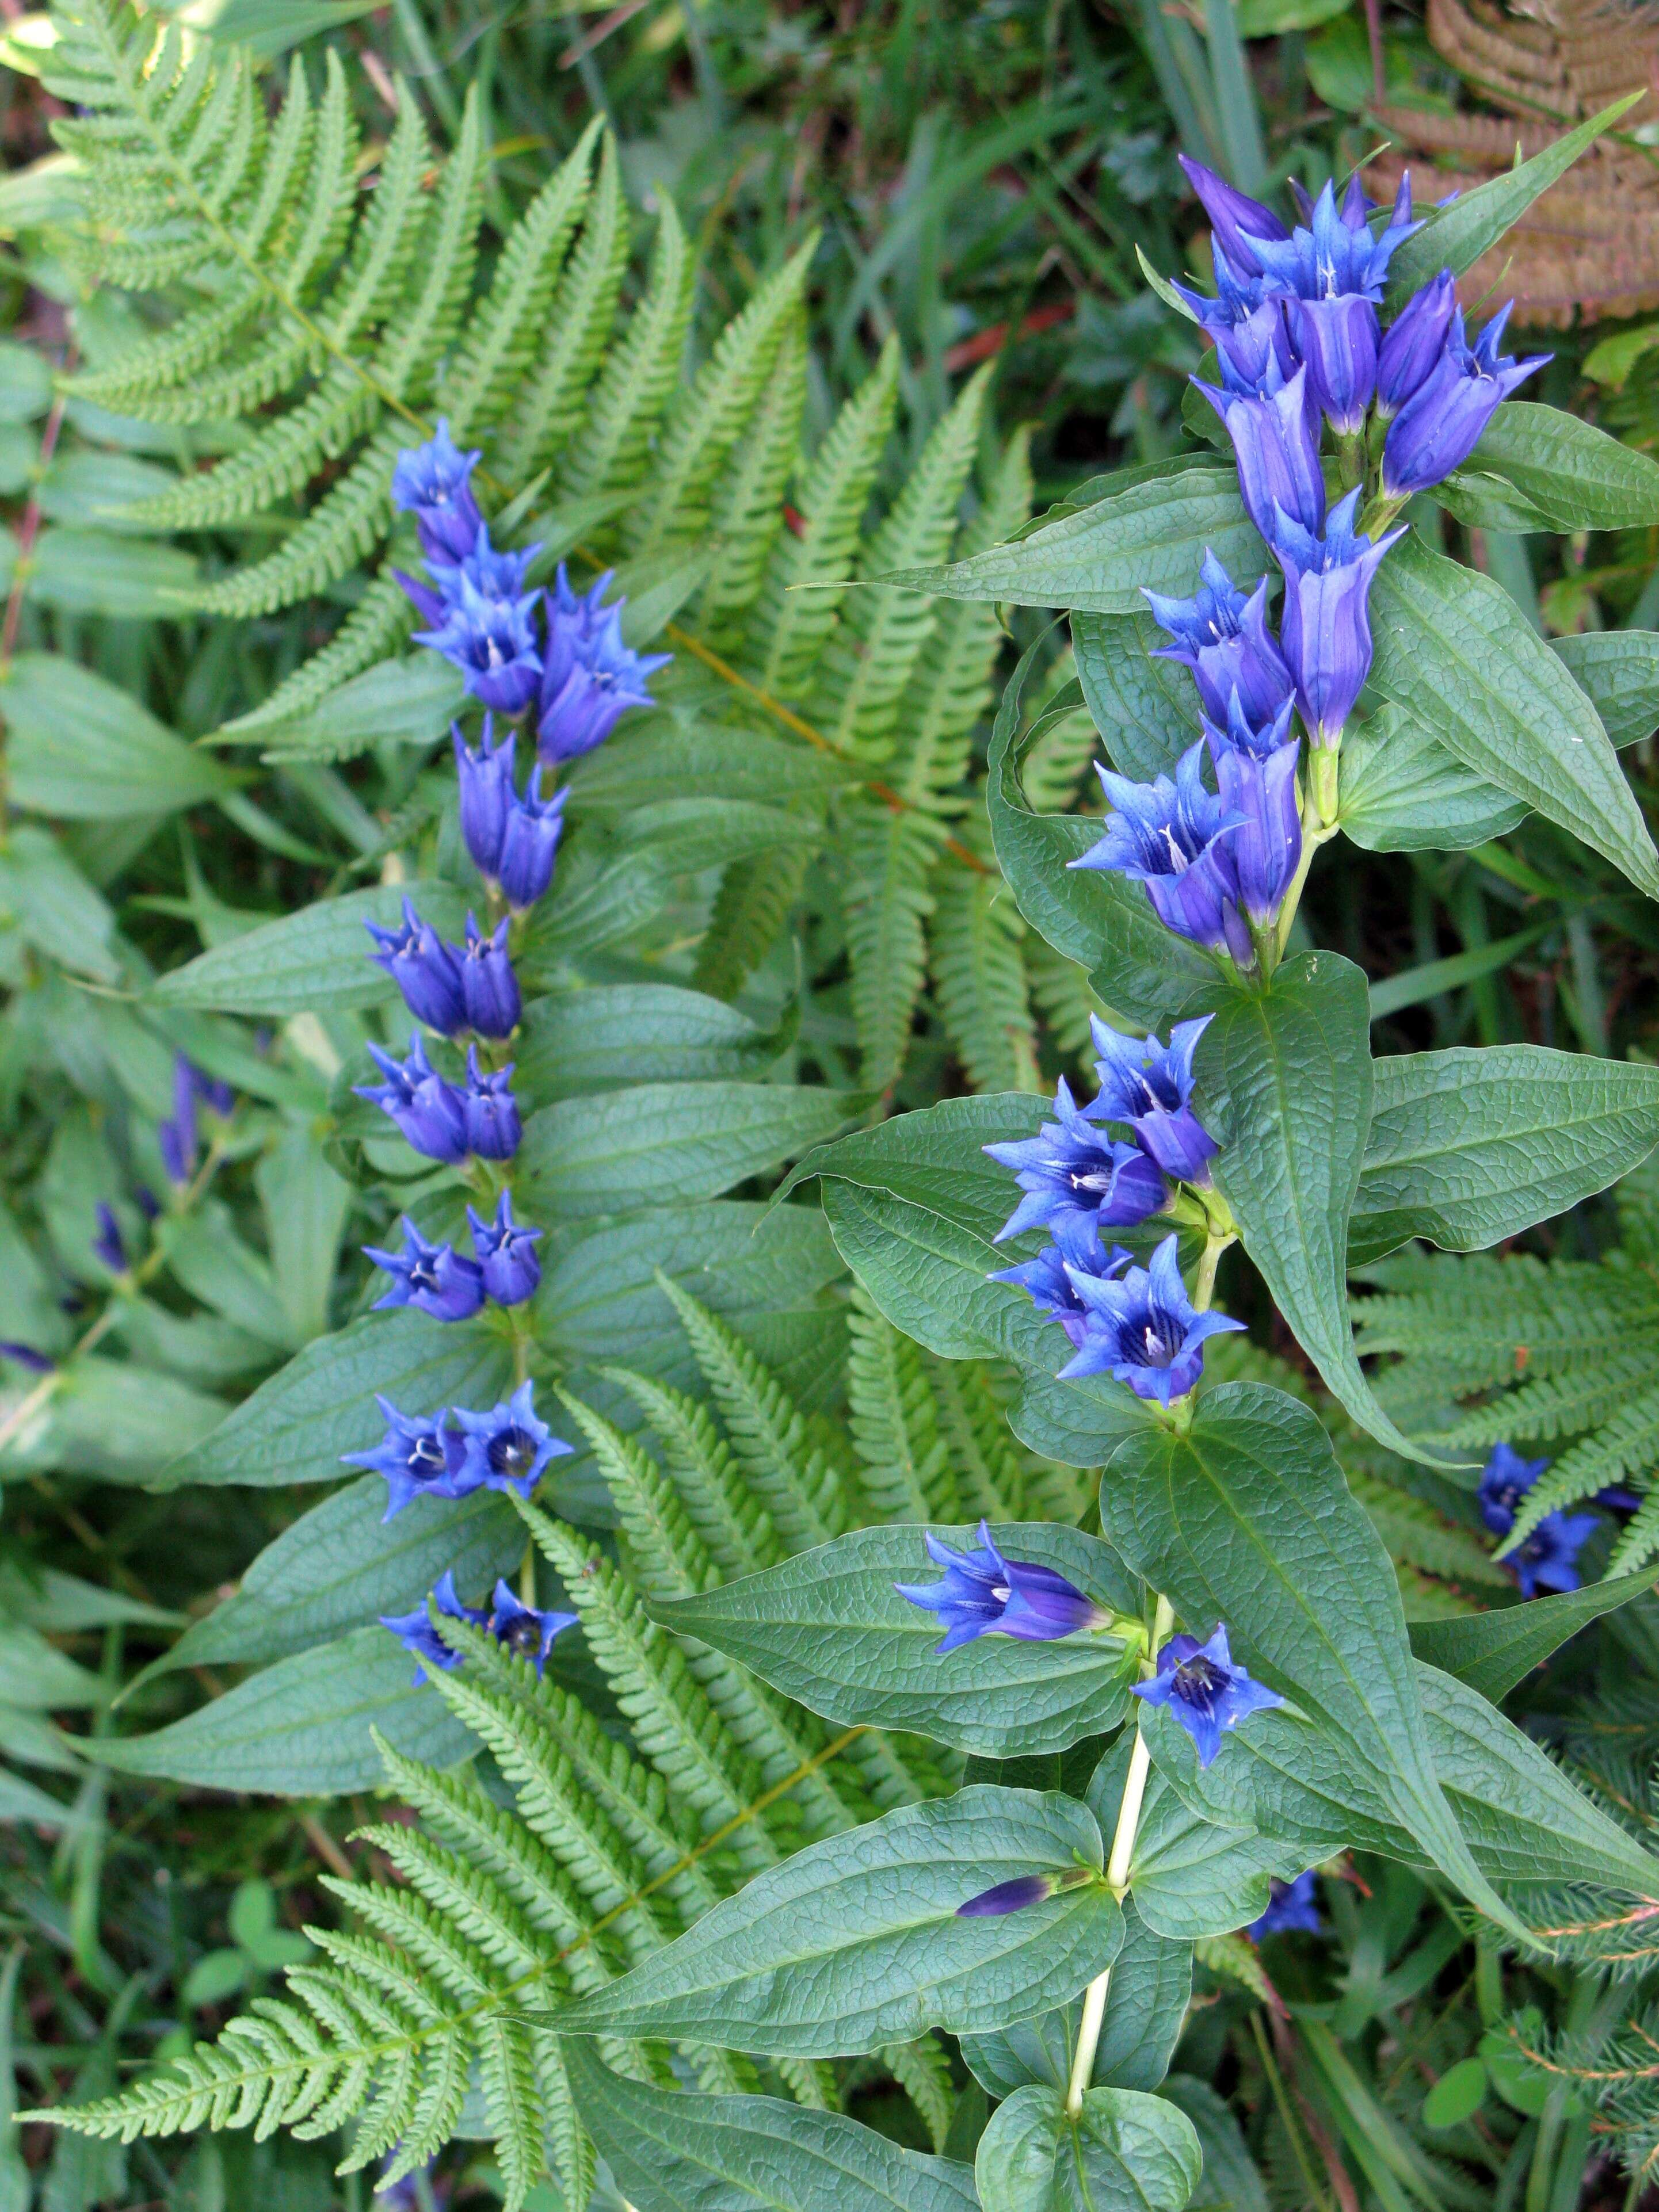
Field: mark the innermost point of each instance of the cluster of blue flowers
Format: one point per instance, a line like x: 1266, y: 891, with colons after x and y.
x: 179, y: 1140
x: 525, y: 1632
x: 1547, y: 1561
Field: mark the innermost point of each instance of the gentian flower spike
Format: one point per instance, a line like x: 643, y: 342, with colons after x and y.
x: 422, y: 1458
x: 1293, y: 1905
x: 488, y: 985
x: 1414, y: 342
x: 506, y: 1254
x: 109, y: 1247
x: 524, y: 1631
x: 1077, y: 1244
x: 489, y: 1111
x: 178, y: 1138
x: 433, y: 482
x: 1142, y: 1328
x: 1504, y: 1481
x: 425, y: 969
x: 1441, y: 424
x: 1149, y: 1085
x: 508, y: 1447
x: 1204, y: 1691
x: 1266, y: 852
x: 1223, y: 638
x: 1548, y: 1559
x: 1071, y: 1169
x: 1173, y: 837
x: 492, y: 643
x: 1240, y: 223
x: 487, y: 794
x: 1326, y: 624
x: 984, y: 1594
x: 1276, y: 448
x: 431, y: 1115
x: 419, y: 1633
x: 433, y: 1279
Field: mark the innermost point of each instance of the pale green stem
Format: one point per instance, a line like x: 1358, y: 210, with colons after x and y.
x: 1204, y: 1291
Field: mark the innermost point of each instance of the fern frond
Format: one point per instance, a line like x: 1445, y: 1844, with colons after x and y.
x: 728, y: 1519
x: 377, y: 626
x: 746, y: 519
x: 750, y: 910
x: 512, y: 2102
x: 891, y: 1416
x: 996, y: 1479
x: 977, y: 938
x: 887, y: 902
x: 633, y: 386
x: 344, y: 527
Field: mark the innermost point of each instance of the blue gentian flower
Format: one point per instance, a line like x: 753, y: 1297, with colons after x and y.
x: 1149, y: 1085
x: 431, y: 1115
x: 26, y: 1356
x: 1326, y: 624
x: 1174, y: 837
x: 1276, y: 444
x: 1025, y: 1889
x: 1223, y: 638
x: 1504, y: 1481
x: 519, y: 1628
x: 1414, y: 342
x: 526, y: 1633
x: 1441, y: 424
x: 1238, y: 296
x: 530, y: 843
x: 422, y: 1458
x: 419, y: 1633
x: 506, y: 1254
x: 589, y: 678
x: 1336, y: 251
x: 513, y: 841
x: 1293, y: 1905
x: 1071, y: 1169
x: 1204, y: 1691
x: 425, y: 969
x: 985, y: 1594
x: 1076, y: 1245
x: 492, y: 643
x: 1548, y: 1559
x: 1239, y: 223
x: 1337, y: 337
x: 433, y: 482
x: 508, y: 1447
x: 1142, y: 1328
x: 109, y: 1247
x: 1266, y: 851
x: 178, y: 1138
x: 492, y: 574
x: 488, y: 986
x: 1249, y: 350
x: 489, y: 1111
x: 214, y: 1094
x: 433, y: 1279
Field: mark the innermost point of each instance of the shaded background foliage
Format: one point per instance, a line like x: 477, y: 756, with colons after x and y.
x: 979, y: 180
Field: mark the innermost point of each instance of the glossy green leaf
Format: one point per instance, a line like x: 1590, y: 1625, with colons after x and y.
x: 1126, y: 2152
x: 83, y: 748
x: 828, y: 1628
x: 1619, y: 672
x: 856, y: 1940
x: 409, y: 702
x: 1190, y: 1875
x: 1574, y: 475
x: 1144, y: 708
x: 616, y: 1034
x: 100, y: 572
x: 671, y: 2152
x: 1457, y: 2095
x: 315, y: 960
x: 1491, y: 1651
x: 1457, y: 654
x: 1402, y: 792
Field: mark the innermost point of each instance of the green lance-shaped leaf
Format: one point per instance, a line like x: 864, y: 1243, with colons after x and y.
x: 83, y: 748
x: 1125, y: 2152
x: 671, y: 2152
x: 1285, y: 1087
x: 828, y: 1627
x: 316, y: 960
x: 1455, y: 651
x: 1618, y: 670
x: 1402, y: 792
x: 1468, y: 1147
x: 857, y: 1941
x: 1142, y: 707
x: 1247, y: 1519
x: 1575, y: 475
x: 1490, y: 1651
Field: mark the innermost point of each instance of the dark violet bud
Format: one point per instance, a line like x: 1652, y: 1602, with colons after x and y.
x: 1504, y: 1481
x: 433, y: 1279
x: 109, y: 1246
x: 521, y: 1629
x: 1204, y: 1691
x: 1293, y: 1906
x: 425, y: 969
x: 1072, y: 1169
x: 1547, y: 1559
x: 217, y: 1097
x: 178, y: 1139
x: 508, y: 1447
x: 488, y: 987
x: 1277, y: 449
x: 429, y: 604
x: 985, y: 1594
x: 433, y: 482
x: 1223, y: 638
x: 422, y: 1458
x: 489, y: 1112
x: 1008, y: 1897
x: 1326, y: 627
x: 1266, y: 851
x: 1142, y: 1328
x: 1149, y: 1085
x: 1441, y: 424
x: 506, y: 1254
x: 485, y: 781
x: 431, y: 1115
x: 1414, y: 342
x: 1076, y: 1249
x: 1336, y: 339
x: 146, y: 1202
x: 1240, y: 223
x: 24, y: 1355
x: 1172, y: 838
x: 530, y: 843
x: 492, y: 643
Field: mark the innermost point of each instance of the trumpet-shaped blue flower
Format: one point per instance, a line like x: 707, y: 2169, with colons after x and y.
x: 493, y: 574
x: 433, y: 1279
x: 590, y: 677
x: 985, y: 1593
x: 1335, y: 252
x: 1441, y: 424
x: 1266, y: 851
x: 490, y: 1118
x: 1251, y: 349
x: 1325, y: 626
x: 529, y: 844
x: 430, y: 1114
x: 1504, y: 1481
x: 433, y: 482
x: 1237, y: 296
x: 1336, y: 338
x: 510, y: 1447
x: 1222, y: 637
x: 1072, y: 1169
x: 1143, y: 1329
x: 506, y: 1253
x: 1204, y: 1691
x: 419, y: 1457
x: 489, y: 988
x: 521, y: 1629
x: 109, y: 1246
x: 178, y: 1137
x: 1414, y: 342
x: 492, y: 643
x: 1149, y: 1085
x: 1548, y: 1559
x: 513, y: 839
x: 1076, y: 1245
x: 1239, y: 223
x: 1276, y: 444
x: 1293, y: 1905
x: 1174, y: 837
x: 417, y: 1632
x: 425, y: 969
